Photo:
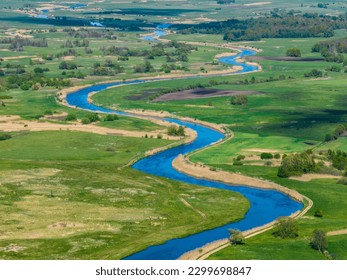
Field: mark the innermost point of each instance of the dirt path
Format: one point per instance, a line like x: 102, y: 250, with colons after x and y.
x: 186, y: 203
x: 309, y: 177
x: 337, y: 232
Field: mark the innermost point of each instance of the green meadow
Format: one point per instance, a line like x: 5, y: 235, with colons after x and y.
x: 70, y: 195
x: 73, y: 195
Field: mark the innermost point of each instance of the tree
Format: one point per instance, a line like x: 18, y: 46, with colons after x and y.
x: 296, y: 165
x: 266, y: 156
x: 71, y: 117
x: 293, y: 52
x: 286, y: 227
x: 319, y: 241
x: 173, y: 130
x: 236, y: 237
x: 239, y: 100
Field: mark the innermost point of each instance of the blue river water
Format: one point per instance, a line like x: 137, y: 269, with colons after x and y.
x: 266, y: 205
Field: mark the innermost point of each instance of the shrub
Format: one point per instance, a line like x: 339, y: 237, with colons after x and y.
x: 5, y: 136
x: 110, y: 118
x: 277, y: 156
x: 93, y: 117
x: 286, y: 227
x: 342, y: 181
x: 236, y: 237
x: 266, y: 156
x: 67, y: 65
x: 240, y: 157
x: 239, y: 100
x: 319, y: 241
x: 48, y: 112
x: 318, y: 213
x: 85, y: 121
x: 314, y: 73
x: 293, y: 52
x: 71, y: 117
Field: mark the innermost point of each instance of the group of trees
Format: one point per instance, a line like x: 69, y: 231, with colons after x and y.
x: 90, y: 118
x: 239, y: 100
x: 339, y: 130
x: 297, y: 164
x: 32, y: 81
x: 278, y: 25
x: 286, y: 227
x: 173, y: 130
x: 109, y: 68
x: 269, y: 156
x: 144, y: 67
x: 18, y: 43
x: 67, y: 65
x: 338, y: 159
x: 90, y: 33
x: 332, y: 50
x: 173, y: 51
x: 315, y: 73
x: 76, y: 43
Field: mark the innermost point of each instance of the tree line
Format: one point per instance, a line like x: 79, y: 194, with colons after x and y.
x: 18, y: 43
x: 277, y: 25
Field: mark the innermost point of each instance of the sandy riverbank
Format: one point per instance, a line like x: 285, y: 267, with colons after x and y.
x: 185, y: 166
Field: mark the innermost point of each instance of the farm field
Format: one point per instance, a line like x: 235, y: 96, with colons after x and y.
x: 67, y: 185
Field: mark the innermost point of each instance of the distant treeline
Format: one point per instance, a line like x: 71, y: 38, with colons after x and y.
x: 18, y: 43
x: 173, y: 51
x: 90, y: 33
x: 274, y: 26
x: 127, y: 25
x: 33, y: 81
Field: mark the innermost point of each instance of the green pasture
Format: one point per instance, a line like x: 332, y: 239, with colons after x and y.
x: 326, y: 195
x: 67, y: 195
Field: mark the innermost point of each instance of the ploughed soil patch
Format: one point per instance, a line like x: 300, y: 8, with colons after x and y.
x: 287, y: 58
x: 202, y: 93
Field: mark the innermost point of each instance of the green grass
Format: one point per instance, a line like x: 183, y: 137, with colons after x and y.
x: 310, y: 107
x: 67, y: 195
x: 129, y: 123
x: 326, y: 195
x: 244, y: 143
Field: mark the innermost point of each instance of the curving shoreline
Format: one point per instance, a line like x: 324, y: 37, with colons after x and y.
x: 160, y: 164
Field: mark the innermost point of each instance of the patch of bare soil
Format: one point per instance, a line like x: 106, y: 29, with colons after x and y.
x: 337, y: 232
x: 309, y: 177
x: 201, y: 93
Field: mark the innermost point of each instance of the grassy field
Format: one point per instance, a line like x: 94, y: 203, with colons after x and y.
x: 164, y: 11
x: 71, y: 195
x: 326, y: 195
x: 73, y: 199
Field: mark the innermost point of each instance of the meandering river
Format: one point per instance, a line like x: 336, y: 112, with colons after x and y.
x: 266, y: 205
